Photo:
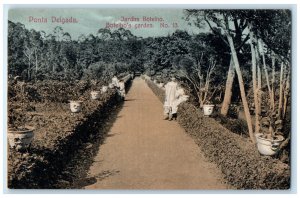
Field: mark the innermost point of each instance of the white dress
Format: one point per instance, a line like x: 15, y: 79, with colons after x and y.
x: 180, y: 97
x: 170, y: 96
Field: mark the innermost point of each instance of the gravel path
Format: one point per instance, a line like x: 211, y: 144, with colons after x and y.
x: 143, y: 151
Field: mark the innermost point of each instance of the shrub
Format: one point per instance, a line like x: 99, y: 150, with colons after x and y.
x: 238, y: 159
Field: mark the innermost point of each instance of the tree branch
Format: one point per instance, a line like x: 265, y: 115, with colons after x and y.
x: 243, y: 42
x: 215, y: 32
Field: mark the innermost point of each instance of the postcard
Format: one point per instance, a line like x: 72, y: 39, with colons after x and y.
x: 157, y: 98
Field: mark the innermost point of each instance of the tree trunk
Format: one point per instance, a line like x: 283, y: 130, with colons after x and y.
x: 280, y: 91
x: 29, y: 68
x: 200, y: 99
x: 266, y: 75
x: 228, y: 89
x: 241, y: 84
x: 259, y: 85
x: 36, y: 65
x: 273, y: 82
x: 206, y: 87
x: 254, y: 81
x: 36, y: 62
x: 286, y: 94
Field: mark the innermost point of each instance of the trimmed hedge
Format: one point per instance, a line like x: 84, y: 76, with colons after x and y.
x: 240, y: 162
x: 41, y: 166
x: 45, y: 164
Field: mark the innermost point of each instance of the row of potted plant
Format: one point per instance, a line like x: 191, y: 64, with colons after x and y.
x: 266, y: 144
x: 76, y: 105
x: 20, y: 137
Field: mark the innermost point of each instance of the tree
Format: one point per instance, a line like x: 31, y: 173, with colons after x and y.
x: 58, y: 33
x: 272, y: 36
x: 255, y: 74
x: 104, y: 34
x: 237, y: 29
x: 223, y: 20
x: 17, y: 61
x: 197, y: 75
x: 28, y: 52
x: 37, y: 44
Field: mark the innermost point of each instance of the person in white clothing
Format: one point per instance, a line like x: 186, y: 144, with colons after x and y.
x: 170, y: 98
x: 180, y: 97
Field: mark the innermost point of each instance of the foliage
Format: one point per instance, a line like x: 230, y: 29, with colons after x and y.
x: 240, y: 163
x: 19, y: 97
x: 36, y: 56
x: 46, y: 163
x: 57, y: 68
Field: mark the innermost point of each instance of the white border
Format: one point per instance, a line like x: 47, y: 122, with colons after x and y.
x: 229, y: 4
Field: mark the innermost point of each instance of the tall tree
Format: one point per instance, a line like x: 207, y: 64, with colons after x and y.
x: 223, y: 20
x: 237, y: 29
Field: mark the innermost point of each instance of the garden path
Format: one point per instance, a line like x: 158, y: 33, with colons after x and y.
x: 144, y: 151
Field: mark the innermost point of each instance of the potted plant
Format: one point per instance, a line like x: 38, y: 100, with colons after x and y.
x: 205, y: 101
x: 206, y: 97
x: 19, y: 134
x: 20, y: 138
x: 104, y: 89
x: 208, y: 108
x: 268, y: 142
x: 75, y: 106
x: 95, y: 95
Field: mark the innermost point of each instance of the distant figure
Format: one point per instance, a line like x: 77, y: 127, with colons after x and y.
x: 170, y: 98
x: 115, y: 81
x: 121, y: 89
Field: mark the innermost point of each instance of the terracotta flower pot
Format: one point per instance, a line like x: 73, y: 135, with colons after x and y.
x: 20, y: 138
x: 95, y: 95
x: 268, y: 146
x: 104, y: 89
x: 75, y: 106
x: 208, y: 109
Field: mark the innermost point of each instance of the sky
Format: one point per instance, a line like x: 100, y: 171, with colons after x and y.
x: 90, y: 20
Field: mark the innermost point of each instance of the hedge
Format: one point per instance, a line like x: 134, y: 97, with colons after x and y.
x: 240, y: 162
x: 45, y: 165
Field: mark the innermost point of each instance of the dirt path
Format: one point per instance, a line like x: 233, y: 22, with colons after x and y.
x: 143, y: 151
